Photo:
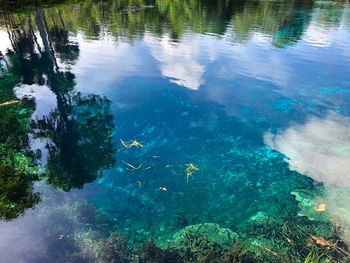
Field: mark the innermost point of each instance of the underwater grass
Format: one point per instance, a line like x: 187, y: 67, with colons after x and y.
x: 289, y: 240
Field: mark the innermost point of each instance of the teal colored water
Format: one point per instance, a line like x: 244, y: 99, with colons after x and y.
x: 147, y: 118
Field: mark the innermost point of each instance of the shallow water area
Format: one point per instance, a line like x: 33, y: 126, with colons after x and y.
x: 217, y: 130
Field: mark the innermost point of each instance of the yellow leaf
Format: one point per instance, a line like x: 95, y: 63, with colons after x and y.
x: 320, y: 208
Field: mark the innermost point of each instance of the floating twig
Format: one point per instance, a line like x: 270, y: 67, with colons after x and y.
x: 133, y: 143
x: 132, y: 166
x: 11, y: 102
x: 190, y: 168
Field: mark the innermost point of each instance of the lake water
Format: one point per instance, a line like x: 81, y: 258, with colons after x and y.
x: 220, y: 130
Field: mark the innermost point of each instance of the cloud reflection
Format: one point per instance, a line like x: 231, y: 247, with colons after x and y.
x: 320, y: 149
x: 178, y: 61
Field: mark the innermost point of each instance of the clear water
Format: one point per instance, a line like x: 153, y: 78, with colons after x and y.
x: 256, y: 95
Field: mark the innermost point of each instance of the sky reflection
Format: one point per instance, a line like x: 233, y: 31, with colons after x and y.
x: 219, y: 86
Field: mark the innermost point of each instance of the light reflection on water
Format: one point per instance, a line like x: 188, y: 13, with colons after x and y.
x: 217, y: 86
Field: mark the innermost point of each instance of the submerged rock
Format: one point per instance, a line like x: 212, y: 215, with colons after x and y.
x: 259, y: 218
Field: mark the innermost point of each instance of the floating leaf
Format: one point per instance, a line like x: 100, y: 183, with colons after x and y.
x: 321, y: 241
x: 133, y: 143
x: 132, y: 166
x: 320, y: 208
x: 190, y: 168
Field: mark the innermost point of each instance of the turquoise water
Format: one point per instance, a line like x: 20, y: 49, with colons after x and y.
x: 148, y: 118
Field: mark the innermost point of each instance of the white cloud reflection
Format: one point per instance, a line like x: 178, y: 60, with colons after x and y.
x: 45, y: 102
x: 178, y: 61
x: 320, y: 148
x: 5, y: 42
x: 319, y: 36
x: 45, y: 99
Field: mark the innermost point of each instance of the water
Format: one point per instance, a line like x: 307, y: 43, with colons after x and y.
x: 147, y: 117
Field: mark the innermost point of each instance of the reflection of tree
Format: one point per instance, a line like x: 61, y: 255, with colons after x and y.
x: 132, y: 18
x: 285, y: 22
x: 293, y: 25
x: 66, y: 50
x: 330, y: 13
x: 79, y: 130
x: 17, y: 174
x: 17, y: 170
x: 82, y: 141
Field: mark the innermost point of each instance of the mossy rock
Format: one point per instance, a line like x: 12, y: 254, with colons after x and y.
x: 224, y: 237
x: 307, y: 204
x: 259, y: 218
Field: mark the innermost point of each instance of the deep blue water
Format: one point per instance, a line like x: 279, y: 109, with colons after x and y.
x: 256, y: 95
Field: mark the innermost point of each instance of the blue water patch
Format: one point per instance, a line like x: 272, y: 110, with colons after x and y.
x: 174, y: 131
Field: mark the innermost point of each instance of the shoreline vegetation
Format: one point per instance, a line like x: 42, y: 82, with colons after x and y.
x: 15, y: 5
x: 262, y: 238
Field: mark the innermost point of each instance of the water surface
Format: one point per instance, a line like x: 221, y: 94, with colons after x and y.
x: 151, y: 116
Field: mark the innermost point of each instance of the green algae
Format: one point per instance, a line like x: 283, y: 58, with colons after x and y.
x: 85, y: 235
x: 17, y: 173
x: 213, y: 232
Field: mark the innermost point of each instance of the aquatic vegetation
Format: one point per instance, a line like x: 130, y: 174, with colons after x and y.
x: 18, y: 170
x: 224, y: 237
x: 150, y: 252
x: 293, y: 240
x: 17, y: 173
x: 239, y: 254
x: 114, y: 250
x: 313, y: 257
x: 257, y: 193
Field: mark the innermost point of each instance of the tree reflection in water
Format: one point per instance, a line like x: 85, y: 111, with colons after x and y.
x: 79, y: 131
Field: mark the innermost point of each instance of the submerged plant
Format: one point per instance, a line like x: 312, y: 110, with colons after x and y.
x: 133, y: 143
x: 17, y: 173
x: 239, y: 254
x: 132, y: 166
x: 293, y: 240
x: 190, y: 168
x: 114, y: 250
x: 151, y: 253
x: 18, y: 170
